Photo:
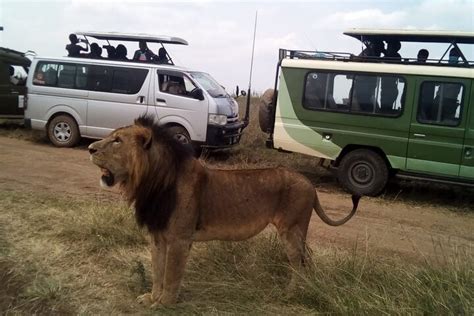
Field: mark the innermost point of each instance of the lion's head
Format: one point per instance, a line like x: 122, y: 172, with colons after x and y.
x: 145, y: 161
x: 118, y: 154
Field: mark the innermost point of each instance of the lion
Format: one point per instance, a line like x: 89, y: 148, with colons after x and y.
x: 181, y: 201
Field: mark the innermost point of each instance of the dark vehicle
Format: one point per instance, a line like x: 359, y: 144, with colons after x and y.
x: 13, y: 69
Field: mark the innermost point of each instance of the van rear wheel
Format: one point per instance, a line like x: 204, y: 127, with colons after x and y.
x: 63, y: 131
x: 363, y: 172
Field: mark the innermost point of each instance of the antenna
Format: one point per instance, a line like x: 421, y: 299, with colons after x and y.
x: 247, y: 107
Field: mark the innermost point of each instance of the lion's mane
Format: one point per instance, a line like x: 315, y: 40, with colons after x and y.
x: 153, y: 180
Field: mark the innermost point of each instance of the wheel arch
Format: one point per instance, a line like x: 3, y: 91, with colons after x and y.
x: 349, y: 148
x: 170, y: 121
x: 62, y: 109
x: 56, y: 114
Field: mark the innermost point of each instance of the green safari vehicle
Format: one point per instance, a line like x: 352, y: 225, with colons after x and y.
x: 14, y: 67
x: 375, y: 117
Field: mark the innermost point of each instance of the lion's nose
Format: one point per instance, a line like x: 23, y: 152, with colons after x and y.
x: 92, y: 150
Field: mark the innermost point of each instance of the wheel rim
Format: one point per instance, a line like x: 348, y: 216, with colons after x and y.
x: 362, y: 173
x: 62, y: 132
x: 183, y: 139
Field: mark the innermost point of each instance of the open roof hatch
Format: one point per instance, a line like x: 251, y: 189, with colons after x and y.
x: 129, y: 37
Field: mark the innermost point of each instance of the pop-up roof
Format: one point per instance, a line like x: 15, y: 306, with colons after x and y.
x: 412, y: 36
x: 128, y: 37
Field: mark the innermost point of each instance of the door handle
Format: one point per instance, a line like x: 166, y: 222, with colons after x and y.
x: 160, y: 100
x: 419, y: 135
x: 327, y: 136
x: 468, y: 152
x: 141, y: 99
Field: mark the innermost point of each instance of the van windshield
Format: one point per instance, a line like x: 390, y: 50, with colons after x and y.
x: 209, y: 84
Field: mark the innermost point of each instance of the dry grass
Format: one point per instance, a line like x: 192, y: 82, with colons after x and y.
x: 66, y: 256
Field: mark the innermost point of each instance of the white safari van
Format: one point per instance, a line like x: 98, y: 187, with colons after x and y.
x: 89, y: 97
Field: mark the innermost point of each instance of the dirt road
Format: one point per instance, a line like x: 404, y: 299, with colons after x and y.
x: 386, y: 227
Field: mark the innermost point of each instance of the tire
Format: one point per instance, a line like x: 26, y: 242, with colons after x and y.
x: 363, y: 172
x: 63, y: 131
x: 265, y: 111
x: 180, y: 134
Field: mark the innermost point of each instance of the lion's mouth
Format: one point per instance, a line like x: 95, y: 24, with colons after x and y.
x: 107, y: 178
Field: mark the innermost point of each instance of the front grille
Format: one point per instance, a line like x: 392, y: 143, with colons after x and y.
x: 232, y: 119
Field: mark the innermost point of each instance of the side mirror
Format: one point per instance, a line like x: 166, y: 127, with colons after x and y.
x: 197, y: 94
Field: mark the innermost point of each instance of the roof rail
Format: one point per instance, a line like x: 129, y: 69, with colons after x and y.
x: 348, y: 57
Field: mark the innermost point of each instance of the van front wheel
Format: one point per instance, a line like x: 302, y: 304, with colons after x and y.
x: 63, y: 131
x: 363, y: 172
x: 180, y: 134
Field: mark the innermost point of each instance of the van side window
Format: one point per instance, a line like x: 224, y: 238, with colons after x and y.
x: 128, y: 80
x: 100, y: 78
x: 61, y: 75
x: 46, y: 74
x: 380, y: 95
x: 175, y: 84
x: 66, y: 76
x: 81, y: 76
x: 440, y: 103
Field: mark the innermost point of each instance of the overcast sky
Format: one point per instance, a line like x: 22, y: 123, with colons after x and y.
x: 220, y: 32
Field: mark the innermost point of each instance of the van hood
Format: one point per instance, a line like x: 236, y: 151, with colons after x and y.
x: 227, y: 106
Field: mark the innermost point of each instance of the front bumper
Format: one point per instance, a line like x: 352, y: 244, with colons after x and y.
x: 224, y: 136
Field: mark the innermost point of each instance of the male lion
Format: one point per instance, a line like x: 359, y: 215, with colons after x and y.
x: 181, y: 201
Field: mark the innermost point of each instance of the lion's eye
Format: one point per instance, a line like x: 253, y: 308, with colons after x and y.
x: 117, y: 140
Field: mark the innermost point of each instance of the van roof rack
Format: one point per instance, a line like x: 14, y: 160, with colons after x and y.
x: 348, y: 57
x: 134, y: 37
x: 453, y: 38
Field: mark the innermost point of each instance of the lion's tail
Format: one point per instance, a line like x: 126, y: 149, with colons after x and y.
x: 322, y: 214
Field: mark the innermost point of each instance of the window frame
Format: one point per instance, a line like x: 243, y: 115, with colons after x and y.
x: 125, y: 69
x: 355, y: 73
x: 174, y: 74
x: 463, y: 95
x: 87, y: 87
x: 38, y: 66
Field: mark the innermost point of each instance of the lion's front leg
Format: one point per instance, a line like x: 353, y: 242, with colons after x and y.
x: 158, y: 261
x: 176, y: 256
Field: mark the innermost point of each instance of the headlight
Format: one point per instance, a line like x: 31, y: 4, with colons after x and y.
x: 217, y: 119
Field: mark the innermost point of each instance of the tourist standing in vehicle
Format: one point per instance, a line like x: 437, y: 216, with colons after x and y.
x: 364, y: 86
x: 111, y: 51
x: 96, y: 51
x: 74, y: 49
x: 162, y: 56
x: 143, y: 54
x: 389, y: 85
x: 422, y: 55
x: 373, y: 49
x: 121, y: 52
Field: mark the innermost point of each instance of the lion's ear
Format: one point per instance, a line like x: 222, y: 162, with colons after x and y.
x: 145, y: 138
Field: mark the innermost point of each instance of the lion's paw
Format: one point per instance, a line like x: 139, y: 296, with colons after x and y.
x: 145, y: 299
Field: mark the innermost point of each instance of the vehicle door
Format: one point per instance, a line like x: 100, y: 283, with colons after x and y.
x: 467, y: 164
x: 10, y: 92
x: 117, y: 96
x: 438, y: 126
x: 174, y: 103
